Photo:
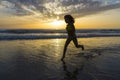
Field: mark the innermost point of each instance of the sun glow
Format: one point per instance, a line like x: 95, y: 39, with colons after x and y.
x: 57, y: 24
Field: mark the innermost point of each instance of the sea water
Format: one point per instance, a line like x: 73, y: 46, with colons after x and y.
x: 52, y: 34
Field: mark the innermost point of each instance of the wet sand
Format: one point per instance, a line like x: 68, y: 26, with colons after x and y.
x: 40, y: 59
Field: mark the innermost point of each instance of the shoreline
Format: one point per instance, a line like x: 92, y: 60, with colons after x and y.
x: 42, y: 38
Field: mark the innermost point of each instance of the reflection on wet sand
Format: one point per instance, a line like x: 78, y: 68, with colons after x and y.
x: 80, y: 66
x: 40, y: 60
x: 71, y: 75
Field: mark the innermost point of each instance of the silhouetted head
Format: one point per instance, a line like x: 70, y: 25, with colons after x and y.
x: 69, y: 19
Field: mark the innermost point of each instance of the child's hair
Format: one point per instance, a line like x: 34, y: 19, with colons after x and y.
x: 70, y: 18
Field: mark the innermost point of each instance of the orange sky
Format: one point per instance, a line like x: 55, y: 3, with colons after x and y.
x: 106, y: 18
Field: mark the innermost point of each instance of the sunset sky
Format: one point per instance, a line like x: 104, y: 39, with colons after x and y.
x: 48, y: 14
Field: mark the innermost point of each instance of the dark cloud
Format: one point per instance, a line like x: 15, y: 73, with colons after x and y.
x: 77, y: 2
x: 55, y: 8
x: 94, y: 10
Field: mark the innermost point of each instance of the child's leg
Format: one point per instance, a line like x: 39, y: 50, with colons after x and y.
x: 65, y: 47
x: 76, y: 44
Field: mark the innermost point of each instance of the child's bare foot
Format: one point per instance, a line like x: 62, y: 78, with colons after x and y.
x: 62, y: 59
x: 82, y: 47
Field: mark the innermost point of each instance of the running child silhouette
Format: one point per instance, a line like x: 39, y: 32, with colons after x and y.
x: 70, y: 28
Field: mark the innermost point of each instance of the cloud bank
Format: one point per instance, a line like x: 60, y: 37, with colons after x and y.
x: 56, y: 8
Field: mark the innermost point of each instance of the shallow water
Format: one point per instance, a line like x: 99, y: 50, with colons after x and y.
x: 40, y: 59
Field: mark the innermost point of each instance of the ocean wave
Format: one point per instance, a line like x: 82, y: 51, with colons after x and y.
x: 53, y: 34
x: 23, y: 31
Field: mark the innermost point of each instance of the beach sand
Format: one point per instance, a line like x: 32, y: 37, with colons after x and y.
x: 40, y: 59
